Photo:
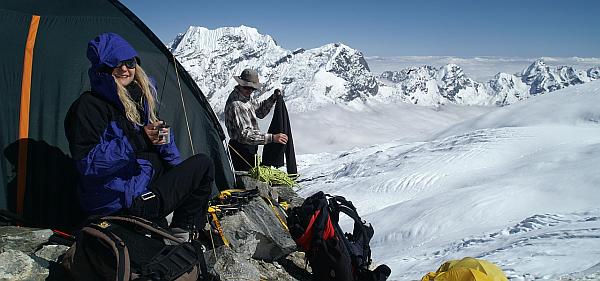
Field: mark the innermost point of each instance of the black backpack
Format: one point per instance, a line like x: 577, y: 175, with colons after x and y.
x: 332, y: 254
x: 130, y: 248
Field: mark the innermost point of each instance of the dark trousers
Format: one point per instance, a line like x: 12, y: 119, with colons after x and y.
x: 242, y: 155
x: 184, y: 189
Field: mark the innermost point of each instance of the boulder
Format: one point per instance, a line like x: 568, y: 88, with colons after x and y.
x: 256, y: 231
x: 17, y: 265
x: 51, y: 252
x: 24, y: 255
x: 261, y: 247
x: 22, y: 239
x: 230, y: 265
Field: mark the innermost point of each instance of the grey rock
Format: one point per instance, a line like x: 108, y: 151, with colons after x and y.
x: 293, y: 267
x: 231, y: 265
x: 246, y: 182
x: 16, y: 265
x: 22, y: 239
x: 277, y: 192
x: 51, y: 252
x: 288, y: 194
x: 258, y: 231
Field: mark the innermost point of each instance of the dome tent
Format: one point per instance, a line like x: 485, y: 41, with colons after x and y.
x: 43, y: 69
x: 467, y: 269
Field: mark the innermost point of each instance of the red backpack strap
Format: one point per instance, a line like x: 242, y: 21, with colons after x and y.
x: 305, y: 241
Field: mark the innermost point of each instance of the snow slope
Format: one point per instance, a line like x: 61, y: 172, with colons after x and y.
x: 517, y: 186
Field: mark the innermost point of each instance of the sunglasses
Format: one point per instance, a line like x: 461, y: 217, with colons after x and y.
x: 249, y: 88
x: 130, y: 63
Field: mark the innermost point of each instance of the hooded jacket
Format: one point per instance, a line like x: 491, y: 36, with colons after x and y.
x: 115, y: 161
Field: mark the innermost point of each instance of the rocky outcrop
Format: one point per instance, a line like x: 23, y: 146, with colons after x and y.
x: 25, y: 255
x: 260, y: 247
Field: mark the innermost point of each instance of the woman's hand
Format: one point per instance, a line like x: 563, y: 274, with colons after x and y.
x: 152, y: 130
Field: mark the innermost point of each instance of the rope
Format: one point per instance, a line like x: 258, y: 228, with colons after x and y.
x: 240, y: 155
x: 187, y: 124
x: 277, y: 214
x: 212, y: 241
x: 270, y: 175
x: 267, y: 174
x: 219, y: 228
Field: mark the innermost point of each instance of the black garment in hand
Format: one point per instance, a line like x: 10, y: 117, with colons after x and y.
x: 273, y: 152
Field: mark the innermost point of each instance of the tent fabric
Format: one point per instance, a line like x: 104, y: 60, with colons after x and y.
x: 466, y: 269
x: 457, y: 274
x: 59, y: 76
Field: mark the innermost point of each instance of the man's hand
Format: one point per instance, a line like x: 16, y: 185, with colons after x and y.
x: 277, y: 93
x: 280, y: 138
x: 151, y: 131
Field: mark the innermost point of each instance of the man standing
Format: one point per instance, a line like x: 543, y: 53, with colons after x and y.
x: 241, y: 111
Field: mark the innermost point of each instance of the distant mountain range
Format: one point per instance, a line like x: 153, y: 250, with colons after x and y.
x: 338, y: 74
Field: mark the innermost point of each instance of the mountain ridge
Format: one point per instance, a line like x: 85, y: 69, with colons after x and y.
x: 338, y: 74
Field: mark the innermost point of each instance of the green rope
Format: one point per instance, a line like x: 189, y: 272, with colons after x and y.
x: 270, y: 175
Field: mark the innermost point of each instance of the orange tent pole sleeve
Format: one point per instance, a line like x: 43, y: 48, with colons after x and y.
x: 24, y: 112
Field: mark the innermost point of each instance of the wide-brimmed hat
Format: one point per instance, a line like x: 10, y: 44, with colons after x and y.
x: 248, y: 78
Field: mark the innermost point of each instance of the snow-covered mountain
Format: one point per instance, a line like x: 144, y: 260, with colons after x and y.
x: 337, y: 74
x: 541, y: 78
x: 508, y: 89
x: 426, y: 85
x: 517, y: 186
x: 331, y: 74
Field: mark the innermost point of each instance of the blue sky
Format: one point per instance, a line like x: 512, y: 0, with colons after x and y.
x: 397, y: 28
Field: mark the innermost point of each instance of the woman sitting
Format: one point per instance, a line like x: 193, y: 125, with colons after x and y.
x: 125, y: 165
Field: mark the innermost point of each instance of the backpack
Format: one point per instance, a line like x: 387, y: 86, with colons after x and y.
x: 130, y: 248
x: 332, y: 254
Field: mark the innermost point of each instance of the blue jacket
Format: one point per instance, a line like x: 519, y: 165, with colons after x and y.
x: 115, y: 160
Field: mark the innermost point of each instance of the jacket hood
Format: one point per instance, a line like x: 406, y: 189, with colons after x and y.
x: 107, y: 50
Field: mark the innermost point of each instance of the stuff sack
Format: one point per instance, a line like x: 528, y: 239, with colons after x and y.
x: 128, y: 248
x: 332, y: 254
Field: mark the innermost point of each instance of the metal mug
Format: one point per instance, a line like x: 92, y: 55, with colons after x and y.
x: 164, y: 133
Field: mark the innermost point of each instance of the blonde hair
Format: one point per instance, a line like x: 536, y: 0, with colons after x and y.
x: 148, y: 92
